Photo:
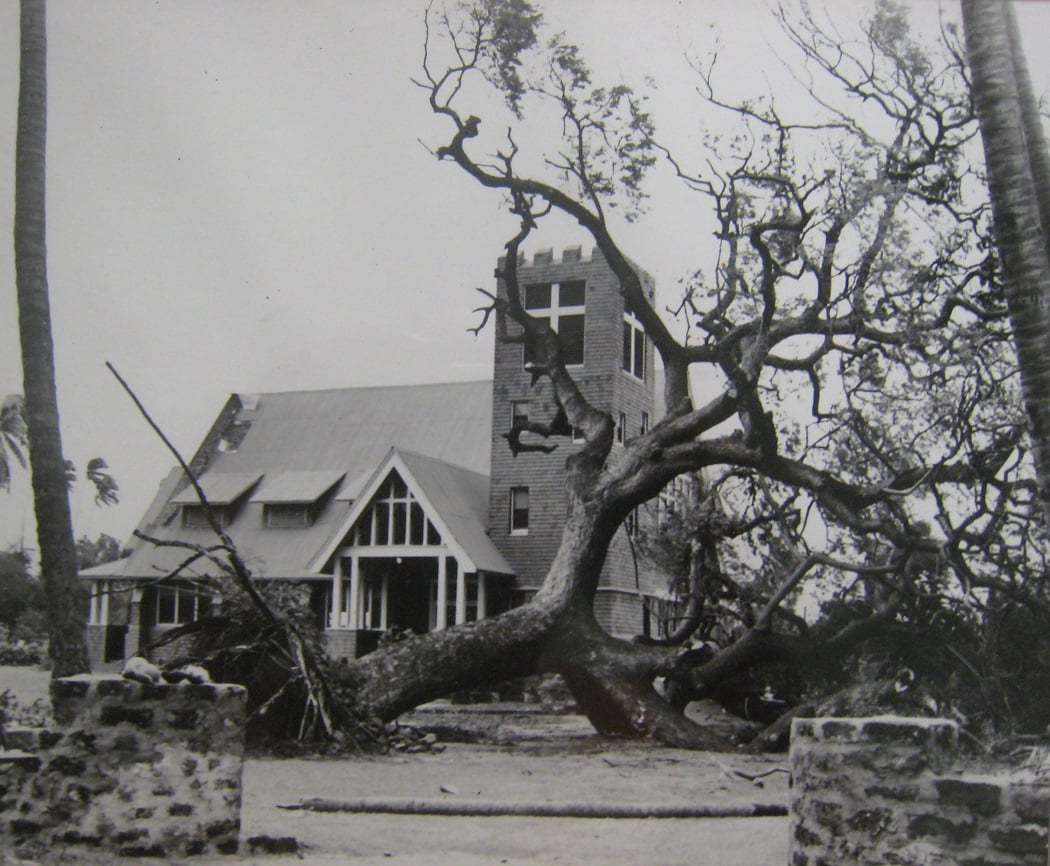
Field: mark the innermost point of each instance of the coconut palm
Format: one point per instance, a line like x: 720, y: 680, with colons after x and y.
x: 1019, y: 182
x: 58, y: 559
x: 13, y: 437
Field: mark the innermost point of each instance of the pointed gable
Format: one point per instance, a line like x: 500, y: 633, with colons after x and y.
x: 451, y: 500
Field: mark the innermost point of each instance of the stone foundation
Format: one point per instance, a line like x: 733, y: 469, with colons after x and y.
x: 889, y: 790
x: 133, y: 769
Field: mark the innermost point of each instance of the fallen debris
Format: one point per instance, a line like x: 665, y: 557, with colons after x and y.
x: 275, y: 845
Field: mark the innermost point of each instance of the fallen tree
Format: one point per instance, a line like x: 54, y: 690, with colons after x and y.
x: 851, y: 265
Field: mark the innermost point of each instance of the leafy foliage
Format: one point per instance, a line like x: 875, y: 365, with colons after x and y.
x: 14, y: 441
x: 103, y: 549
x: 506, y: 31
x: 107, y: 491
x: 13, y: 437
x: 19, y: 590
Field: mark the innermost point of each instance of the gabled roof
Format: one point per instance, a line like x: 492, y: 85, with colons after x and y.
x: 297, y: 441
x: 352, y: 428
x: 454, y: 499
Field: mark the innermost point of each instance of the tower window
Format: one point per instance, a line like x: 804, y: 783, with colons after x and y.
x: 633, y: 346
x: 538, y: 296
x: 519, y: 510
x: 621, y: 428
x: 645, y: 424
x: 563, y: 307
x: 519, y: 413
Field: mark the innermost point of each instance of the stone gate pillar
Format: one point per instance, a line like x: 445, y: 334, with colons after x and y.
x: 892, y: 790
x: 133, y: 769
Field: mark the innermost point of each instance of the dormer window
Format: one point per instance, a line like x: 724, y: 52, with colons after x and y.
x: 293, y: 499
x: 225, y: 493
x: 563, y: 307
x: 195, y: 517
x: 288, y: 514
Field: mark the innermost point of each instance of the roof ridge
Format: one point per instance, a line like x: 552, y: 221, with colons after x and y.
x: 487, y: 381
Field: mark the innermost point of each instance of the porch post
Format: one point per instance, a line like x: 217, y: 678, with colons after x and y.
x: 482, y: 599
x: 93, y: 602
x: 105, y: 587
x: 337, y: 594
x: 384, y: 604
x: 353, y: 618
x: 135, y: 624
x: 461, y: 594
x: 441, y: 620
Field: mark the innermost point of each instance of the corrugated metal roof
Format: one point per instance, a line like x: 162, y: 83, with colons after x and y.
x: 342, y: 431
x: 352, y: 428
x: 220, y: 488
x: 351, y: 488
x: 296, y: 486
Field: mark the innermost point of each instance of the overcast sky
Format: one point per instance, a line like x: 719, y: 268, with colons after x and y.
x: 238, y: 201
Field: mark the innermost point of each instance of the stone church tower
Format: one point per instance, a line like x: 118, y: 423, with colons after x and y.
x: 611, y: 360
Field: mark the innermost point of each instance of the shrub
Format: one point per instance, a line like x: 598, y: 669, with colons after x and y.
x: 21, y: 653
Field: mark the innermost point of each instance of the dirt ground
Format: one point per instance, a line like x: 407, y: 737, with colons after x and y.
x: 536, y: 758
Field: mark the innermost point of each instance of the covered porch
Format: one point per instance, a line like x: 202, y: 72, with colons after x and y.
x: 411, y: 557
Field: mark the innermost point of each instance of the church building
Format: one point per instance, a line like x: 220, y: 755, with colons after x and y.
x: 397, y: 507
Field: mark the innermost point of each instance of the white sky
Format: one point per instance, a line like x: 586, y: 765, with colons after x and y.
x: 238, y: 202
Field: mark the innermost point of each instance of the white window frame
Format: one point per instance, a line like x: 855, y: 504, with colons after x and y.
x: 389, y: 502
x: 631, y: 364
x: 556, y: 311
x: 514, y: 413
x: 515, y: 528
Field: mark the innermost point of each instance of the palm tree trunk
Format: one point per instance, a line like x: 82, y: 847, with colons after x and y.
x: 66, y: 605
x: 1020, y: 228
x: 1035, y: 139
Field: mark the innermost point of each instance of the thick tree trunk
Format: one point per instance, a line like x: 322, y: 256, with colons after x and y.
x: 66, y: 606
x: 398, y: 677
x: 1014, y: 160
x: 553, y: 633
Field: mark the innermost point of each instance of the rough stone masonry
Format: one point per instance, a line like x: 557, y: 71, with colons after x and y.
x: 135, y: 769
x: 890, y: 790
